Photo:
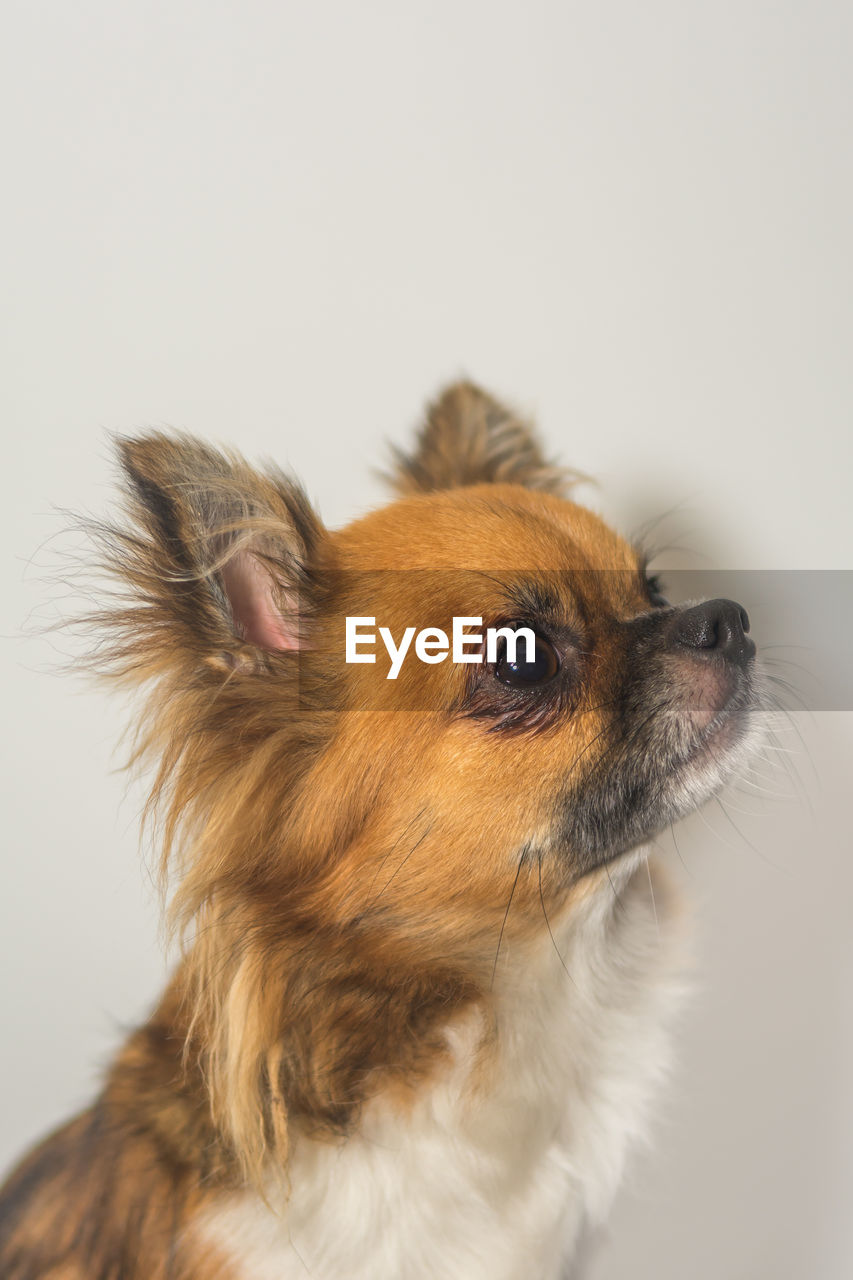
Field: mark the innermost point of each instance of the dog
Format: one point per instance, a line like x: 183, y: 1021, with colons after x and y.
x: 428, y: 963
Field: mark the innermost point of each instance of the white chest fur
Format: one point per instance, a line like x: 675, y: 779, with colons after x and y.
x: 497, y: 1169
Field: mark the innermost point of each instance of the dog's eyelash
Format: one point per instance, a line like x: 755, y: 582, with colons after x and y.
x: 656, y: 592
x: 652, y: 584
x: 534, y: 602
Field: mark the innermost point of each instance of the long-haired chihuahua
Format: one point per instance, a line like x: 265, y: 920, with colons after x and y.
x: 406, y: 777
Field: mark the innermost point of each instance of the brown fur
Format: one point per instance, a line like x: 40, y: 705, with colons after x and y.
x: 337, y: 906
x: 110, y: 1194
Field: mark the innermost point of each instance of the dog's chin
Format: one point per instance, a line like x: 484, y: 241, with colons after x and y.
x: 717, y: 756
x: 630, y: 807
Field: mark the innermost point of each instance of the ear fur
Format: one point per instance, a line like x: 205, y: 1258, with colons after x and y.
x: 470, y: 438
x: 215, y: 566
x: 216, y: 560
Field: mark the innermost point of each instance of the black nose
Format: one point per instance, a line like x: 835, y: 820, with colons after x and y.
x: 715, y: 627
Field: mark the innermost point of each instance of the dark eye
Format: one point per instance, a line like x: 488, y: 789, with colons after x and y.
x: 654, y: 587
x: 521, y: 673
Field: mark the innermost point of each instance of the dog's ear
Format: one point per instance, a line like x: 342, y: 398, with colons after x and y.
x: 471, y: 438
x: 217, y: 563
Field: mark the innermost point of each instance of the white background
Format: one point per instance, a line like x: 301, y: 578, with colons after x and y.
x: 283, y: 226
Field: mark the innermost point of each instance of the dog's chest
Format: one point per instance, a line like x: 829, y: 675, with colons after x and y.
x: 503, y: 1161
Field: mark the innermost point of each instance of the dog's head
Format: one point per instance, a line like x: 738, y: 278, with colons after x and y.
x: 368, y: 833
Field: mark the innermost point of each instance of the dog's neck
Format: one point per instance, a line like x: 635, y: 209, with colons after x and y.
x: 501, y: 1160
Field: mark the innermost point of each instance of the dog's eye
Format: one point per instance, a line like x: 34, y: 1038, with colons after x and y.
x: 655, y: 589
x: 521, y: 673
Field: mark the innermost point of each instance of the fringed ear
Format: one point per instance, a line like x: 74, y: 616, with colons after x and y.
x: 470, y: 438
x: 216, y: 567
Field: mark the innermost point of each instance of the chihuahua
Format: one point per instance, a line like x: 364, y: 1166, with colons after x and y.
x: 427, y: 961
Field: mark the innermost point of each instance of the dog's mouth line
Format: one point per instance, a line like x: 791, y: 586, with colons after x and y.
x: 725, y: 720
x: 734, y: 715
